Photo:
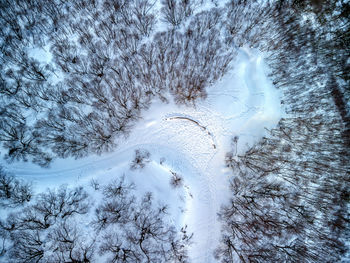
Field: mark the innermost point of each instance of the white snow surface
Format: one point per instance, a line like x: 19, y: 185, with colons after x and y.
x: 241, y: 104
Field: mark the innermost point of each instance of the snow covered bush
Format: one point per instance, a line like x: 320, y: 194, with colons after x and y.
x: 142, y: 157
x: 176, y: 180
x: 95, y: 184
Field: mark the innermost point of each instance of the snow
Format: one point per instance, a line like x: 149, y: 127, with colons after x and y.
x: 191, y: 141
x: 40, y: 54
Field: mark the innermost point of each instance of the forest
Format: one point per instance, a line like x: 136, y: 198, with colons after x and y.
x: 108, y: 60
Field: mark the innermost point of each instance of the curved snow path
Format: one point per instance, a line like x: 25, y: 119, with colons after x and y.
x: 241, y: 104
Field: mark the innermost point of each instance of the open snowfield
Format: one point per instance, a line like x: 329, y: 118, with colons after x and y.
x: 190, y: 141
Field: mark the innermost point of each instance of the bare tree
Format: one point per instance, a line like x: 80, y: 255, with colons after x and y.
x: 70, y: 243
x: 117, y: 206
x: 13, y: 192
x: 29, y: 247
x: 176, y: 11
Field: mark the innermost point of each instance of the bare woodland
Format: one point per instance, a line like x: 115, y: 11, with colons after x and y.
x: 123, y: 228
x: 290, y: 192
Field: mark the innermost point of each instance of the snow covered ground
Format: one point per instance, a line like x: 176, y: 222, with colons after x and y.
x: 191, y: 141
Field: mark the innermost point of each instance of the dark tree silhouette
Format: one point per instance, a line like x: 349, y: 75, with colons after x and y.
x: 13, y: 192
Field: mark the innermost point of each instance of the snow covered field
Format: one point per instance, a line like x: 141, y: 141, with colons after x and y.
x: 189, y: 141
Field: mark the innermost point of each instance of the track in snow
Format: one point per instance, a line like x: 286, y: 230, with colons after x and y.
x: 196, y: 123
